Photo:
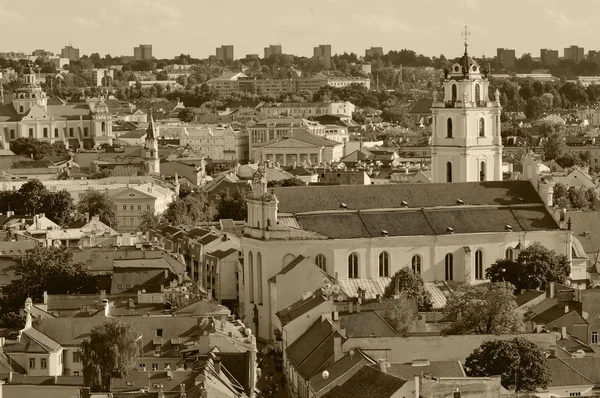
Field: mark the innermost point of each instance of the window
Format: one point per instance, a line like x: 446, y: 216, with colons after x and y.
x: 76, y: 356
x: 321, y: 262
x: 31, y: 363
x: 139, y: 207
x: 449, y: 128
x: 449, y: 267
x: 259, y: 277
x: 71, y: 132
x: 594, y: 337
x: 103, y: 127
x: 154, y: 366
x: 353, y: 265
x: 21, y: 109
x: 416, y: 264
x: 454, y: 93
x: 251, y: 276
x: 482, y: 171
x: 56, y: 133
x: 131, y: 207
x: 43, y: 363
x: 448, y: 171
x: 574, y: 394
x: 384, y: 264
x: 481, y: 127
x: 175, y: 347
x: 510, y: 254
x: 477, y: 93
x: 75, y: 373
x: 85, y: 131
x: 143, y: 367
x: 478, y: 264
x: 124, y: 207
x: 12, y: 134
x: 147, y: 207
x: 31, y: 132
x: 45, y: 132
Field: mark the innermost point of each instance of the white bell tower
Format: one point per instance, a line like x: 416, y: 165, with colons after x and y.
x: 466, y: 144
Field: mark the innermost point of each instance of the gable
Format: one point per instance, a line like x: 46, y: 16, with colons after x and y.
x: 35, y: 113
x: 132, y: 194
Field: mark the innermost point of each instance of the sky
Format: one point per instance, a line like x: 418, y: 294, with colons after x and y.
x: 196, y: 27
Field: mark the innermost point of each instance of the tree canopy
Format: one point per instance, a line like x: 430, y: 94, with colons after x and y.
x: 111, y: 351
x: 483, y: 309
x: 401, y: 315
x: 411, y: 285
x: 38, y: 149
x: 534, y: 266
x: 100, y: 204
x: 192, y: 209
x: 233, y: 205
x: 520, y: 363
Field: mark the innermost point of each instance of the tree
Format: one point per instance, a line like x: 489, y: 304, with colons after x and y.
x: 401, y: 316
x: 12, y: 320
x: 59, y: 206
x: 411, y: 285
x: 483, y: 309
x: 289, y: 182
x: 554, y: 146
x: 187, y: 115
x: 534, y: 266
x: 98, y: 203
x: 535, y: 108
x: 232, y: 206
x: 150, y: 221
x: 49, y: 269
x: 31, y: 197
x: 560, y: 196
x: 111, y: 351
x: 520, y: 363
x: 192, y: 209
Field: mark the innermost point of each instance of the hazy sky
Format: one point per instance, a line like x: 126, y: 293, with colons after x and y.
x: 196, y: 27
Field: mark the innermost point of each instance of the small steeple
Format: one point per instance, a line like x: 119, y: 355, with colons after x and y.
x: 151, y: 132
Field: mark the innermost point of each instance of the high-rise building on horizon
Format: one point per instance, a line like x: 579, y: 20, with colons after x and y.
x: 323, y: 53
x: 548, y: 57
x: 142, y: 52
x: 70, y: 52
x: 225, y: 53
x: 574, y: 53
x: 273, y: 49
x: 506, y: 57
x: 374, y: 52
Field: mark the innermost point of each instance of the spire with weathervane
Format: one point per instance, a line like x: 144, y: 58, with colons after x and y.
x: 151, y: 147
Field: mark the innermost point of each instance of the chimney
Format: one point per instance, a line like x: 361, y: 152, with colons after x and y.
x: 45, y: 297
x: 382, y: 367
x: 337, y: 347
x: 217, y: 363
x: 106, y: 308
x: 358, y: 303
x: 417, y: 386
x: 552, y: 290
x: 28, y: 321
x: 10, y: 377
x: 182, y: 390
x: 563, y: 332
x: 335, y: 322
x: 457, y: 393
x: 566, y: 308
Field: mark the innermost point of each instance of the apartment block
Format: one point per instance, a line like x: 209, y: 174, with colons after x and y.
x: 102, y: 77
x: 374, y: 52
x: 142, y: 52
x: 574, y: 53
x: 506, y: 57
x: 70, y: 52
x: 549, y: 57
x: 273, y: 49
x: 323, y: 53
x: 225, y: 53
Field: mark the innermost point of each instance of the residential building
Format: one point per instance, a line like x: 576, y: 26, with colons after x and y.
x: 41, y: 53
x: 222, y: 275
x: 132, y: 203
x: 103, y: 77
x: 306, y: 109
x: 75, y: 125
x: 270, y: 129
x: 588, y: 80
x: 172, y: 84
x: 227, y: 83
x: 70, y: 52
x: 225, y: 53
x: 594, y: 56
x: 216, y: 142
x: 374, y: 52
x: 506, y: 57
x: 574, y: 53
x: 323, y: 53
x: 273, y: 49
x: 347, y: 81
x: 142, y: 52
x: 549, y: 57
x: 466, y: 143
x: 252, y: 57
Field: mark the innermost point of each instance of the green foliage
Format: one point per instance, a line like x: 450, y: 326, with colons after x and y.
x: 12, y: 320
x: 98, y: 203
x: 483, y: 309
x: 401, y: 316
x: 31, y: 146
x: 554, y: 145
x: 233, y: 206
x: 520, y: 363
x: 103, y: 173
x: 49, y: 269
x: 290, y: 182
x: 150, y: 221
x: 192, y: 209
x: 187, y: 115
x: 411, y: 285
x: 535, y: 108
x: 534, y: 266
x: 111, y: 351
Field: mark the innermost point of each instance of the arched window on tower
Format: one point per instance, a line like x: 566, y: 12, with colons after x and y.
x: 384, y: 264
x: 477, y: 93
x: 21, y: 109
x: 416, y: 264
x: 259, y: 277
x: 449, y: 267
x: 448, y: 171
x: 103, y: 127
x: 510, y: 254
x: 353, y: 266
x: 251, y: 276
x: 479, y: 264
x: 481, y: 127
x: 454, y: 95
x: 449, y: 128
x: 482, y: 171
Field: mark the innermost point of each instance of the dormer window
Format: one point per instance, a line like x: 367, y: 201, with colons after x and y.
x: 159, y: 333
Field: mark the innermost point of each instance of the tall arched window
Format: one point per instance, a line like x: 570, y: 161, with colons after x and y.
x: 353, y: 266
x: 259, y: 277
x: 481, y: 127
x: 103, y: 127
x: 449, y: 267
x: 416, y: 264
x: 477, y: 93
x: 454, y: 95
x: 478, y: 264
x: 448, y: 171
x: 251, y: 276
x: 482, y: 171
x: 384, y: 264
x: 449, y: 128
x: 321, y: 262
x: 510, y: 254
x: 21, y: 109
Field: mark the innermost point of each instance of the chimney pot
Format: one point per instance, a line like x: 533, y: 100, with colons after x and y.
x: 382, y: 366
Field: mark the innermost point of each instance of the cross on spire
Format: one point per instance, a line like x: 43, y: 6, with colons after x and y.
x: 465, y: 34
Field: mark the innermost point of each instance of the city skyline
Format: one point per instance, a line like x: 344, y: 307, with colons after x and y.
x: 119, y: 25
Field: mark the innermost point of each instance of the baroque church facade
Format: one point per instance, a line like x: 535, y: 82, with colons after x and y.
x: 450, y: 230
x: 32, y: 114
